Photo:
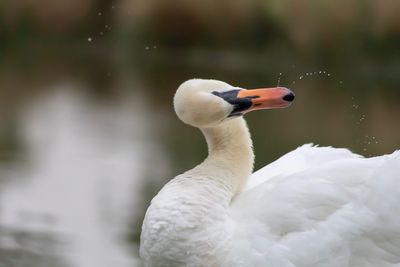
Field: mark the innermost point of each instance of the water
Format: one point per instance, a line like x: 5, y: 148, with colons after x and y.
x: 75, y: 189
x: 279, y: 79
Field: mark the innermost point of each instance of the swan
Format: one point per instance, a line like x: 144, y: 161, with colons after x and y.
x: 313, y: 207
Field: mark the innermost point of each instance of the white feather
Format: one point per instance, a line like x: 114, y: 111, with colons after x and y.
x: 335, y: 212
x: 303, y: 158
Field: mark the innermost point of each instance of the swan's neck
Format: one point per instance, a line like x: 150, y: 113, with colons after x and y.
x: 196, y: 203
x: 230, y: 155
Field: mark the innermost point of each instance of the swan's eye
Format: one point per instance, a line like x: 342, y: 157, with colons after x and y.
x: 240, y: 104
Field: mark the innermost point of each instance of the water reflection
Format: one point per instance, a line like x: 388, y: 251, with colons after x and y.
x: 71, y: 205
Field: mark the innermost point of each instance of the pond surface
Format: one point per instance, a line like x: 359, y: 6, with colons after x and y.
x: 87, y: 140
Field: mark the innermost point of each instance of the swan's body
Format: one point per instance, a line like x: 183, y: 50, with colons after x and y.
x: 312, y: 207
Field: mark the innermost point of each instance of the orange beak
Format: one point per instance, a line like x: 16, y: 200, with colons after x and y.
x: 267, y: 98
x: 244, y: 100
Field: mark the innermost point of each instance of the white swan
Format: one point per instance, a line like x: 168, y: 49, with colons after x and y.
x: 314, y: 207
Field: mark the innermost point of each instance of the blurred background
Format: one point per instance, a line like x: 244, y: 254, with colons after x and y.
x: 88, y: 134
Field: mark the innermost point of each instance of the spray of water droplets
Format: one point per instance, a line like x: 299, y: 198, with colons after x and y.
x: 150, y: 47
x: 279, y: 79
x: 309, y: 74
x: 368, y: 142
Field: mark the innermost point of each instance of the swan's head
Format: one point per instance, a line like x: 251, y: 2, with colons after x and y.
x: 207, y: 103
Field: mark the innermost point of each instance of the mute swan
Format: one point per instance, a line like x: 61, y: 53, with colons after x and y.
x: 315, y: 206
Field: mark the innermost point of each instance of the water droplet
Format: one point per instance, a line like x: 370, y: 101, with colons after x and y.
x: 99, y: 14
x: 315, y: 72
x: 89, y: 39
x: 307, y: 74
x: 320, y: 71
x: 279, y: 79
x: 154, y: 46
x: 329, y: 74
x: 301, y: 77
x: 293, y: 82
x: 147, y: 47
x: 101, y: 33
x: 324, y: 71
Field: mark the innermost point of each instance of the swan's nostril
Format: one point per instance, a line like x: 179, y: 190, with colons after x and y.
x: 289, y: 97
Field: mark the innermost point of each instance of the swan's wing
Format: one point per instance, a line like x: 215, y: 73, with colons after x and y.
x: 342, y: 213
x: 302, y: 158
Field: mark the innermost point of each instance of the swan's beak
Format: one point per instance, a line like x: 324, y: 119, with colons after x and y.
x: 244, y: 100
x: 267, y: 98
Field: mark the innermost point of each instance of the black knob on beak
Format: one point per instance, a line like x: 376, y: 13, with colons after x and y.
x: 289, y: 97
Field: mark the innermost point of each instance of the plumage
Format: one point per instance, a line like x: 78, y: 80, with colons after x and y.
x: 315, y: 206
